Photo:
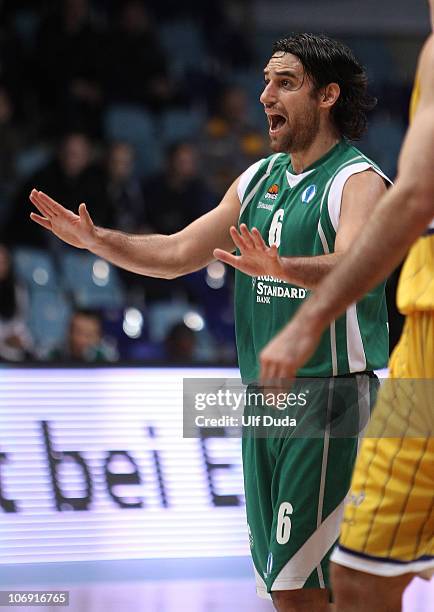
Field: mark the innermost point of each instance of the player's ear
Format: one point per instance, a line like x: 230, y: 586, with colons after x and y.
x: 329, y: 95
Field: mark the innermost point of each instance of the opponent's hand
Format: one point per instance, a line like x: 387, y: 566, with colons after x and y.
x: 77, y: 230
x: 288, y: 352
x: 255, y: 259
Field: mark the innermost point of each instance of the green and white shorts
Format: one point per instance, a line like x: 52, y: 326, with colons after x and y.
x: 296, y: 478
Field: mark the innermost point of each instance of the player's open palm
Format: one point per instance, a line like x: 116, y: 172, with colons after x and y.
x: 255, y: 258
x: 77, y: 230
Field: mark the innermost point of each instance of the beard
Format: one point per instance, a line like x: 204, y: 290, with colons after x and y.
x: 298, y: 133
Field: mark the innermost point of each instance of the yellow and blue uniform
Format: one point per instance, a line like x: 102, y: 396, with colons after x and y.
x: 388, y: 524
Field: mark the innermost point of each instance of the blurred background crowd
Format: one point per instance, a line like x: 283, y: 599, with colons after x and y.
x: 146, y: 111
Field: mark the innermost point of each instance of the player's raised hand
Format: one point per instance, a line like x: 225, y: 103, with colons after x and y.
x: 77, y: 230
x: 255, y: 259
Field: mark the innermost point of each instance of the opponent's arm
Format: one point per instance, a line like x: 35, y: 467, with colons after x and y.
x: 151, y: 255
x: 399, y: 219
x: 360, y: 195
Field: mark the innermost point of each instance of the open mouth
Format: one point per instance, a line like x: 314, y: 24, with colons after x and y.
x: 276, y: 122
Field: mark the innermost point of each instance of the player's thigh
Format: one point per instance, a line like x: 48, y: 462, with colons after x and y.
x: 355, y: 591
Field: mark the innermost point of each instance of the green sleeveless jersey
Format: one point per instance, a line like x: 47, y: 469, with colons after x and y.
x: 300, y: 214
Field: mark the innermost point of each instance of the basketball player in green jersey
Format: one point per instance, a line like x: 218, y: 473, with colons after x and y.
x: 311, y: 199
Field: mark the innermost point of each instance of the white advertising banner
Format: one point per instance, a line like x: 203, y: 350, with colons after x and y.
x: 94, y: 466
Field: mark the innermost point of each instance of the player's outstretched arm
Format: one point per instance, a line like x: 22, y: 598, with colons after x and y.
x: 399, y: 219
x: 150, y: 255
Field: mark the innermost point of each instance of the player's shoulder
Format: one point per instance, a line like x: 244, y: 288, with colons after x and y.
x: 357, y: 171
x: 266, y: 166
x: 368, y: 180
x: 345, y: 160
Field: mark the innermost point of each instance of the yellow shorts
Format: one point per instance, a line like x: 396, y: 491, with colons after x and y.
x: 388, y: 524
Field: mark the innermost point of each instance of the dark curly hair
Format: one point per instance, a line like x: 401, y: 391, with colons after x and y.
x: 325, y: 61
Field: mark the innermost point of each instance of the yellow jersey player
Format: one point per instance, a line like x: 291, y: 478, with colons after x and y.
x: 387, y: 534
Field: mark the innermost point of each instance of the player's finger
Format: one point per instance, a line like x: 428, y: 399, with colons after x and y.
x: 268, y: 372
x: 238, y: 239
x: 41, y: 220
x: 285, y: 377
x: 248, y: 239
x: 258, y: 240
x: 84, y: 215
x: 228, y: 258
x: 40, y: 205
x: 273, y: 251
x: 54, y: 206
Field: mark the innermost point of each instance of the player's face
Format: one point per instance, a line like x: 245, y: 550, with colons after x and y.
x: 290, y: 104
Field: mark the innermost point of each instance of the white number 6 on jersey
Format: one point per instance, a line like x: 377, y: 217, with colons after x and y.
x: 275, y: 232
x: 283, y: 530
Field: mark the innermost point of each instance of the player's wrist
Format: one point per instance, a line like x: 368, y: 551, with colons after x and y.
x: 94, y: 242
x: 312, y: 318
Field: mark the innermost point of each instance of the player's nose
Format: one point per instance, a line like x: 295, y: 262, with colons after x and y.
x: 268, y: 95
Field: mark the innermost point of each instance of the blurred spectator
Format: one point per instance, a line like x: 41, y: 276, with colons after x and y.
x: 84, y: 342
x: 180, y: 345
x: 135, y: 62
x: 126, y: 206
x: 231, y: 143
x: 11, y: 139
x: 231, y: 42
x: 15, y: 340
x: 13, y: 66
x: 177, y: 195
x: 71, y: 178
x: 124, y: 190
x: 69, y: 64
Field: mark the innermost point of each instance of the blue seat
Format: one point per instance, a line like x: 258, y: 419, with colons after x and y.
x: 383, y: 142
x: 180, y: 125
x: 183, y: 42
x: 35, y: 268
x: 93, y: 282
x: 48, y: 318
x: 133, y: 124
x: 32, y: 159
x: 376, y: 56
x: 252, y: 82
x: 164, y: 315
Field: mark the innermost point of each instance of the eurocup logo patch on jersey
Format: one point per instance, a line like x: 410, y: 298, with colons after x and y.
x: 272, y: 192
x: 308, y: 194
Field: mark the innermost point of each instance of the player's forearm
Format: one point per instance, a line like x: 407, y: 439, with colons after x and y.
x: 151, y: 255
x: 307, y: 272
x: 398, y: 221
